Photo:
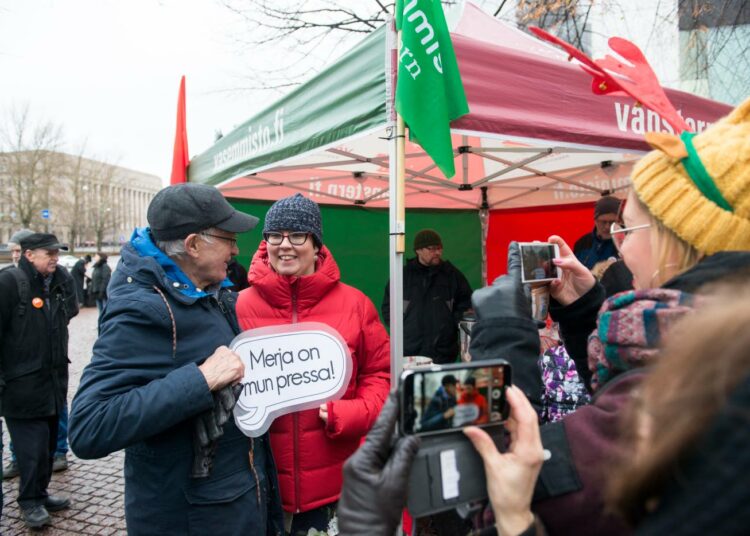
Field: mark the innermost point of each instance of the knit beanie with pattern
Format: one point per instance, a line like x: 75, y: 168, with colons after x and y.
x: 426, y: 238
x: 699, y: 186
x: 295, y: 213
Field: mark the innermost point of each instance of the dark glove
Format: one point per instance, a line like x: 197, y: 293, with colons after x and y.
x: 376, y: 477
x: 208, y: 428
x: 506, y: 297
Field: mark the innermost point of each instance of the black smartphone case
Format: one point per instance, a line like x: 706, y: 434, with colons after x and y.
x: 426, y: 478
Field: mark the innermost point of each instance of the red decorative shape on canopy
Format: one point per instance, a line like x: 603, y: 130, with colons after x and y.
x: 635, y: 78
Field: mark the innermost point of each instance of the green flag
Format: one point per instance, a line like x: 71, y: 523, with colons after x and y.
x: 429, y: 93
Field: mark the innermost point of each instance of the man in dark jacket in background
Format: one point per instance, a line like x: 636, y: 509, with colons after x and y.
x: 160, y: 381
x: 38, y: 301
x: 597, y: 246
x: 436, y: 295
x: 79, y: 276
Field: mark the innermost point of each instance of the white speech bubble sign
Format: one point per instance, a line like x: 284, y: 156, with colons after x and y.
x: 465, y: 413
x: 288, y: 368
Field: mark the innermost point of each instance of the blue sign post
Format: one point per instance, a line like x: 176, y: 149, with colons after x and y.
x: 45, y: 213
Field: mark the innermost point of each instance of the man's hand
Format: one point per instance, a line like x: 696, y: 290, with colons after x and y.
x: 449, y: 413
x: 222, y: 368
x: 375, y: 478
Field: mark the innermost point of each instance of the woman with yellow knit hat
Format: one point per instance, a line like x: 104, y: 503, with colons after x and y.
x: 686, y: 224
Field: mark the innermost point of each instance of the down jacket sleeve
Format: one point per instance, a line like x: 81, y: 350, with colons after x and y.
x: 134, y: 387
x: 353, y: 417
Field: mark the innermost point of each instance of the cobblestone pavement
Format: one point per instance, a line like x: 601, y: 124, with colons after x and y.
x: 95, y: 487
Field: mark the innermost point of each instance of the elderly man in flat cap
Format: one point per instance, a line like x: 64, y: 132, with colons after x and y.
x: 160, y: 381
x: 38, y: 301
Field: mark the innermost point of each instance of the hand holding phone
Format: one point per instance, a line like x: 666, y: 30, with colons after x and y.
x: 576, y: 279
x: 443, y: 398
x: 537, y: 264
x: 505, y: 298
x: 375, y: 478
x: 511, y: 476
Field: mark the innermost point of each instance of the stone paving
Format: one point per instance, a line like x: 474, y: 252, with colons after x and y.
x: 96, y: 487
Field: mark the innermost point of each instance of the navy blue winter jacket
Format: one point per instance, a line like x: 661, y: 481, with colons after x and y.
x: 590, y: 249
x: 142, y: 391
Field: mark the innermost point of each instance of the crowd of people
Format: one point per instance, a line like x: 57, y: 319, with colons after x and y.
x: 661, y: 367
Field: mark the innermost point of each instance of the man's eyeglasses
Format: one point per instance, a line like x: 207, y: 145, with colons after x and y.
x: 232, y: 241
x: 295, y: 239
x: 619, y: 233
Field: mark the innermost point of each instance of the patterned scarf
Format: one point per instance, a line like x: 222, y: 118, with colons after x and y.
x: 630, y: 327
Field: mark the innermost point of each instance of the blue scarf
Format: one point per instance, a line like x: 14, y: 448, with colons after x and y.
x: 145, y: 247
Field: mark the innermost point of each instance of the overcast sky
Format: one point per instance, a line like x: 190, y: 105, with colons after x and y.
x: 109, y: 72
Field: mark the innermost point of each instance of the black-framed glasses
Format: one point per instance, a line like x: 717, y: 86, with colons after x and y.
x: 232, y: 241
x: 295, y: 239
x: 619, y: 232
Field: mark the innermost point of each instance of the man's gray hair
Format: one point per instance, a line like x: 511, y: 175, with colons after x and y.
x: 175, y: 249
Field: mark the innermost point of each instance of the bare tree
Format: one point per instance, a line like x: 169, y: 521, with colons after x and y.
x: 69, y: 195
x: 29, y: 149
x: 102, y: 213
x: 568, y: 19
x: 309, y: 32
x: 715, y: 47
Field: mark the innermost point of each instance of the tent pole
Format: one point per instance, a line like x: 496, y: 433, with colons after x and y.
x: 396, y: 216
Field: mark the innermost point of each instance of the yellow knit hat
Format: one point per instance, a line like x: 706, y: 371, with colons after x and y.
x: 662, y: 182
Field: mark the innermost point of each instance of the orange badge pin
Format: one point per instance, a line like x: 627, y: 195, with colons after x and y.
x: 38, y: 303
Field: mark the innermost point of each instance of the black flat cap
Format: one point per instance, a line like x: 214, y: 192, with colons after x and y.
x: 182, y: 209
x: 42, y: 241
x: 607, y: 205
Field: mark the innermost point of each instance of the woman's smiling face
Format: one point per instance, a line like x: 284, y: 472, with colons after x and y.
x: 289, y: 259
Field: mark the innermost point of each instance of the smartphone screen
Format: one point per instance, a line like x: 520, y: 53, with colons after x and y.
x: 436, y: 401
x: 536, y: 262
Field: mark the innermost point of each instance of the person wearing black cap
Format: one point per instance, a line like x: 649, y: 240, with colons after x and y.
x: 597, y: 246
x: 160, y: 382
x: 38, y: 301
x: 436, y: 296
x: 14, y: 244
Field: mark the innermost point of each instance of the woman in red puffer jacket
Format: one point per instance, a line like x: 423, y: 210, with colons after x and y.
x: 294, y: 278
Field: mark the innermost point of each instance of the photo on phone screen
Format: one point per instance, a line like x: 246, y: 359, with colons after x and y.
x: 435, y: 401
x: 536, y: 261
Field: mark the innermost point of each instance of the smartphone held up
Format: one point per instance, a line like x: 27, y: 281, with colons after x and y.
x: 536, y: 262
x: 441, y: 398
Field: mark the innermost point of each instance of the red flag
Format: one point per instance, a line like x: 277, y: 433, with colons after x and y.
x: 181, y: 157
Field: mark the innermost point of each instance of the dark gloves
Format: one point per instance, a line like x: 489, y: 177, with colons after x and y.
x: 506, y: 297
x: 208, y: 428
x: 376, y: 478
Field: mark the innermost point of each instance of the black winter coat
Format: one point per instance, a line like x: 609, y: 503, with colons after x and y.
x: 34, y: 345
x: 100, y: 279
x: 435, y: 298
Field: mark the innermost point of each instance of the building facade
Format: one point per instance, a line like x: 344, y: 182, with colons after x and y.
x: 86, y: 203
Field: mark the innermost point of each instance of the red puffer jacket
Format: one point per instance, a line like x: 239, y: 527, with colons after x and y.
x: 310, y: 454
